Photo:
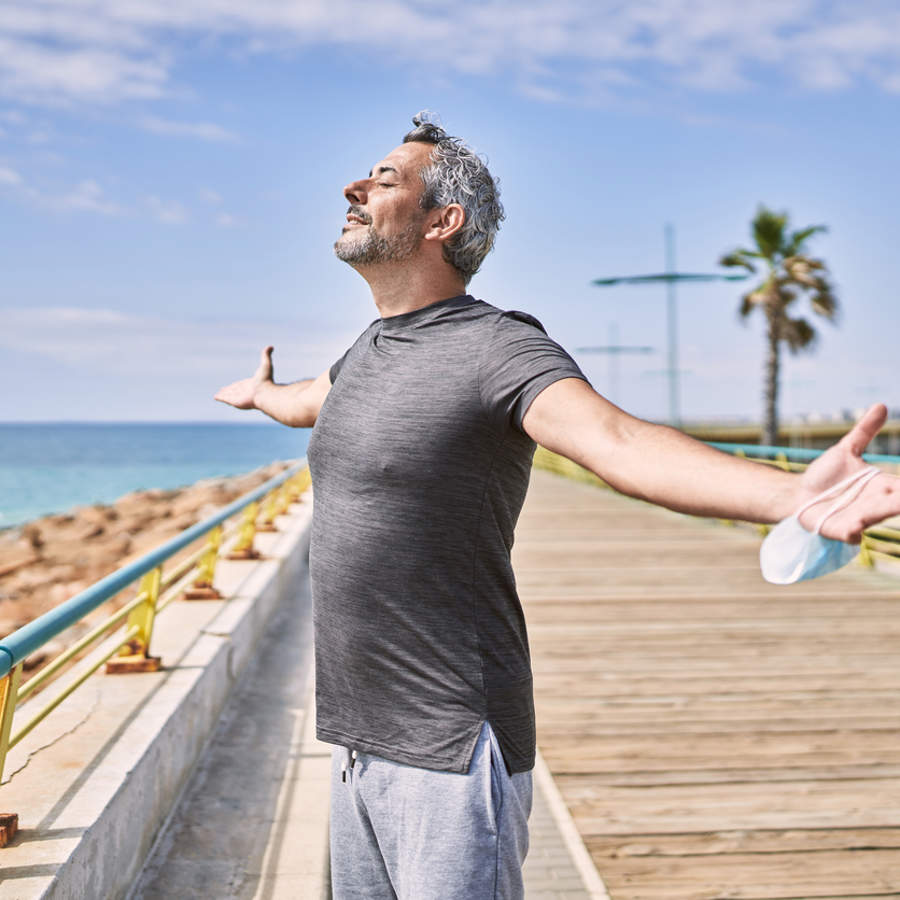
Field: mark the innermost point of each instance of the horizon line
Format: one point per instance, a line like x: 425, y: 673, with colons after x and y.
x: 135, y: 422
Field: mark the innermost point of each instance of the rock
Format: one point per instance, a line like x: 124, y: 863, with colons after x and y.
x: 15, y: 558
x: 65, y: 590
x: 39, y: 657
x: 45, y: 562
x: 8, y: 626
x: 58, y: 519
x: 32, y: 534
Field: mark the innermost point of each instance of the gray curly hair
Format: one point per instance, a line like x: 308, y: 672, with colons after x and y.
x: 458, y: 175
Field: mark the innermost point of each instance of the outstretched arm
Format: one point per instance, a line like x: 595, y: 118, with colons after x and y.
x: 296, y: 404
x: 664, y: 466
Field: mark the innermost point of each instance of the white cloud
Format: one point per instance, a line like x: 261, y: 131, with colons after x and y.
x: 90, y: 197
x: 107, y: 341
x: 892, y: 83
x: 87, y: 196
x: 61, y: 51
x: 10, y: 177
x: 168, y: 212
x: 211, y: 197
x: 205, y: 131
x: 31, y: 71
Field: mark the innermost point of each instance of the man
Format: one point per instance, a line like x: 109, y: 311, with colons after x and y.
x: 420, y: 456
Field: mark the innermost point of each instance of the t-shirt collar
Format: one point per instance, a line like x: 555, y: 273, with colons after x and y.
x: 392, y: 324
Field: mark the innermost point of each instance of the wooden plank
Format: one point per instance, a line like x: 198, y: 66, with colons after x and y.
x: 781, y: 876
x: 575, y: 753
x: 694, y: 844
x: 713, y: 735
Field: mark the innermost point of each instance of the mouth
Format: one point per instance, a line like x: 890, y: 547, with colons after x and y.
x: 357, y: 217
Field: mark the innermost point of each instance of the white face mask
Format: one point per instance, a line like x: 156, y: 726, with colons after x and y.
x: 791, y: 553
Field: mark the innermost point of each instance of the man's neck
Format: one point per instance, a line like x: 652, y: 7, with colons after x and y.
x: 397, y: 290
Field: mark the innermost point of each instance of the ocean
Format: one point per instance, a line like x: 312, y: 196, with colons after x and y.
x: 52, y: 467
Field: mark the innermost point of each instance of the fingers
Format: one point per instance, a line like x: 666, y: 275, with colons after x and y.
x: 859, y: 437
x: 264, y: 371
x: 240, y: 393
x: 226, y: 394
x: 879, y: 500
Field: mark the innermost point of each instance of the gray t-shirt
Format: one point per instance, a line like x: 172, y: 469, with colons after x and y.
x: 420, y: 468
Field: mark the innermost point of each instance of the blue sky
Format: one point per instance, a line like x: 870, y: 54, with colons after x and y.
x: 171, y: 174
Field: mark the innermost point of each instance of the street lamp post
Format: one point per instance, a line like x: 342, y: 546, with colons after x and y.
x: 671, y: 278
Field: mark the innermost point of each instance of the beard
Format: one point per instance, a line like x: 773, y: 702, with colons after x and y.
x: 371, y: 247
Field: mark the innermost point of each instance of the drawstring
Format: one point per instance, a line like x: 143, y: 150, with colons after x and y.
x: 349, y: 762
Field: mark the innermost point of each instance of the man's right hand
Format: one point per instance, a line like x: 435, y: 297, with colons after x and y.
x: 241, y: 394
x: 296, y: 404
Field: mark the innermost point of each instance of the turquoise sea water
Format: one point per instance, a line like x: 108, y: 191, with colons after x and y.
x: 48, y: 468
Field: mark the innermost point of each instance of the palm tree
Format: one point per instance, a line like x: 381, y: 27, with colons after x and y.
x: 789, y: 275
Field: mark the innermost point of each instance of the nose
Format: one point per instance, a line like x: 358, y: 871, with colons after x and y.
x: 356, y: 192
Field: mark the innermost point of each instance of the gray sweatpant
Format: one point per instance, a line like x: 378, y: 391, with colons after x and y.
x: 403, y: 833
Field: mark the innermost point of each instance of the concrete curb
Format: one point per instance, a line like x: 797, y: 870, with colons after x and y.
x: 114, y: 809
x: 593, y: 883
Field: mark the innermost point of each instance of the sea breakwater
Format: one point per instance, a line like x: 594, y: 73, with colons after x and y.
x: 50, y: 559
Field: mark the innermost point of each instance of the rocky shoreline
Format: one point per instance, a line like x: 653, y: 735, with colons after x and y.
x: 48, y: 560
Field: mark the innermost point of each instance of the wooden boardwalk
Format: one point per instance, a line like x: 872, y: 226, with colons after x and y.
x: 712, y: 735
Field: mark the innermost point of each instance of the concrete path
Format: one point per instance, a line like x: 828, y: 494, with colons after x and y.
x: 253, y: 819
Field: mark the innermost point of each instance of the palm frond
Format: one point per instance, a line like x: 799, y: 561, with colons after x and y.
x: 798, y: 238
x: 798, y: 334
x: 786, y: 295
x: 802, y: 269
x: 768, y: 232
x: 737, y: 258
x: 747, y: 305
x: 825, y: 304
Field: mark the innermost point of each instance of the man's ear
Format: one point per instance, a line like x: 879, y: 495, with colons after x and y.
x: 444, y: 222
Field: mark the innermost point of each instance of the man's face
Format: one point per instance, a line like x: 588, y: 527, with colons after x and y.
x: 385, y: 222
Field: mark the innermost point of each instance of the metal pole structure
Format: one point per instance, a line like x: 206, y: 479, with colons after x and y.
x: 614, y: 364
x: 672, y: 322
x: 613, y: 351
x: 670, y: 277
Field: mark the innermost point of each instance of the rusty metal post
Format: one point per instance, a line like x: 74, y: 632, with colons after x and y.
x: 202, y: 588
x: 865, y: 555
x: 284, y: 499
x: 299, y: 483
x: 134, y: 655
x: 270, y: 510
x: 243, y: 548
x: 9, y: 690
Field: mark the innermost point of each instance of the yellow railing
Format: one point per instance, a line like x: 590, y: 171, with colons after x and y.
x: 881, y: 542
x: 192, y: 578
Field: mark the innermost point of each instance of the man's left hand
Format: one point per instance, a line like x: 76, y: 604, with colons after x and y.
x: 878, y: 499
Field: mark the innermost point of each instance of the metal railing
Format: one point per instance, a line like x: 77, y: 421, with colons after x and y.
x: 130, y: 650
x: 881, y: 542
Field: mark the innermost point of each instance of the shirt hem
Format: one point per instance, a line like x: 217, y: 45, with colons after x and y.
x: 418, y: 760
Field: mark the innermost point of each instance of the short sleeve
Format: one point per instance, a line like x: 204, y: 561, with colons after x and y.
x: 336, y: 368
x: 518, y: 363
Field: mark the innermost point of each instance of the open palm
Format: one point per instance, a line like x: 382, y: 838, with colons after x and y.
x: 879, y: 499
x: 240, y: 394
